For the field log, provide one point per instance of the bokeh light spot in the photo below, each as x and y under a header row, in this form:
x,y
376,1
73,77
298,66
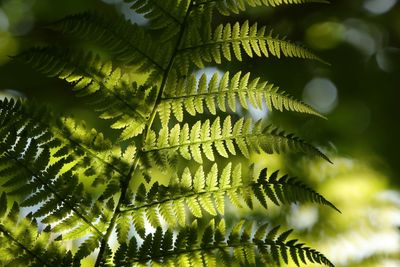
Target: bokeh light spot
x,y
321,94
4,23
20,16
303,217
326,35
388,58
378,7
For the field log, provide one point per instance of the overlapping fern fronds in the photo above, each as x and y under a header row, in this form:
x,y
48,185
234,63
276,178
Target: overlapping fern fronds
x,y
83,187
168,16
127,42
49,171
107,88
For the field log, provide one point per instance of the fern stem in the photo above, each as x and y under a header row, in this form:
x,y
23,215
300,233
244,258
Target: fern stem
x,y
54,191
167,71
125,182
22,246
166,74
124,188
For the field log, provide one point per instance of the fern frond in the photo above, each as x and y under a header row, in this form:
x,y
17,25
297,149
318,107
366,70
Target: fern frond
x,y
201,191
288,189
226,7
167,15
42,171
238,38
97,155
193,96
82,187
107,88
39,182
128,43
94,155
192,248
203,138
22,244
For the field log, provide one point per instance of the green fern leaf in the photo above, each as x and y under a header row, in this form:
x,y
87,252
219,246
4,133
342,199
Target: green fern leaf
x,y
30,165
152,216
249,39
87,247
127,43
138,222
167,211
207,204
171,200
123,227
167,15
240,242
100,83
229,88
269,140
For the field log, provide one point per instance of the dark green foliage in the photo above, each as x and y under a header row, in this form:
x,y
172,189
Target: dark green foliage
x,y
174,174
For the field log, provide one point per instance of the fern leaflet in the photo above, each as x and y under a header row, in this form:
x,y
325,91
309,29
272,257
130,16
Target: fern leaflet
x,y
237,38
201,138
193,96
193,249
200,191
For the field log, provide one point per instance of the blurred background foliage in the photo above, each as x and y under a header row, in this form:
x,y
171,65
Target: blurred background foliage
x,y
358,93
